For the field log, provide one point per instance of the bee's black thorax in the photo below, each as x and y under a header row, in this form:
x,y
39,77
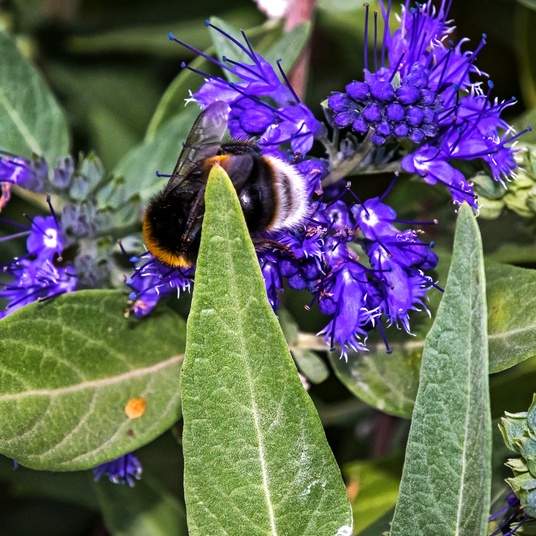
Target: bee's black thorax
x,y
266,188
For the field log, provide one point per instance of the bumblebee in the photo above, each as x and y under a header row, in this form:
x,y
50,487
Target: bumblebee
x,y
272,193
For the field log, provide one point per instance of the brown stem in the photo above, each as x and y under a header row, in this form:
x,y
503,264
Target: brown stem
x,y
383,434
300,11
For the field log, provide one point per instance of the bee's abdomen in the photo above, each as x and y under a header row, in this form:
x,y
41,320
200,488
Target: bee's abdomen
x,y
290,194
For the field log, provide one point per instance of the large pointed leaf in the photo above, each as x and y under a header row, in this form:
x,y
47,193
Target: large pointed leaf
x,y
256,460
69,368
445,487
511,293
30,119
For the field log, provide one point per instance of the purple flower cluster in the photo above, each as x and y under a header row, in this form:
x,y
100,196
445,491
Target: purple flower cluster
x,y
428,91
40,274
376,106
262,104
16,171
358,266
152,280
510,518
124,470
362,270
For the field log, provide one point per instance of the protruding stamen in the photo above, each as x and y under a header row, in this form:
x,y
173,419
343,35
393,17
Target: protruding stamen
x,y
365,37
287,81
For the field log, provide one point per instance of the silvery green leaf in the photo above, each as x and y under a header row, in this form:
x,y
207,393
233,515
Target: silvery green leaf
x,y
446,479
256,460
30,119
68,370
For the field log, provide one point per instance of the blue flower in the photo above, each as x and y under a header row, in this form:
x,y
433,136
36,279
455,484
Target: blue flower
x,y
152,280
343,296
510,518
34,280
124,470
40,275
17,171
362,270
427,91
356,298
262,102
270,266
46,238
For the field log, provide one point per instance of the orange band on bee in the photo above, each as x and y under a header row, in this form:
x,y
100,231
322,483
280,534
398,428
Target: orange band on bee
x,y
220,159
163,255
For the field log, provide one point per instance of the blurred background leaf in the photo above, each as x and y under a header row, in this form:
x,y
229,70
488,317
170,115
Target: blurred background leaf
x,y
372,488
31,121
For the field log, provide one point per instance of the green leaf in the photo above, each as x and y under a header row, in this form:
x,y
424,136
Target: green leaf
x,y
511,293
531,4
525,40
385,381
289,46
139,166
373,489
99,101
310,365
145,509
256,460
446,480
68,369
72,487
30,119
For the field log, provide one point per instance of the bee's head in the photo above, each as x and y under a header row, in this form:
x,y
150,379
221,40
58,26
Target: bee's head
x,y
164,226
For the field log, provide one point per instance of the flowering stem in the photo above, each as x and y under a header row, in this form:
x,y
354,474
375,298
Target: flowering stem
x,y
300,11
344,167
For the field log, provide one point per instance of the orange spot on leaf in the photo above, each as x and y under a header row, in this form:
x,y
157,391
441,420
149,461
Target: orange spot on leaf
x,y
135,407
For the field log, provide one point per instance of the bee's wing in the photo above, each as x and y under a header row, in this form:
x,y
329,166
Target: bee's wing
x,y
203,141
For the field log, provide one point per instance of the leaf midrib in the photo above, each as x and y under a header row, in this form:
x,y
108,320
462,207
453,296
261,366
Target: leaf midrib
x,y
254,408
461,495
514,331
94,384
32,143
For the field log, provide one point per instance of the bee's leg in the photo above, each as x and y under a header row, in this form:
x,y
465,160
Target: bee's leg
x,y
263,244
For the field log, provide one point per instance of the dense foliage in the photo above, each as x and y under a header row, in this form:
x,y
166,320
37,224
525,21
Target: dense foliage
x,y
347,373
